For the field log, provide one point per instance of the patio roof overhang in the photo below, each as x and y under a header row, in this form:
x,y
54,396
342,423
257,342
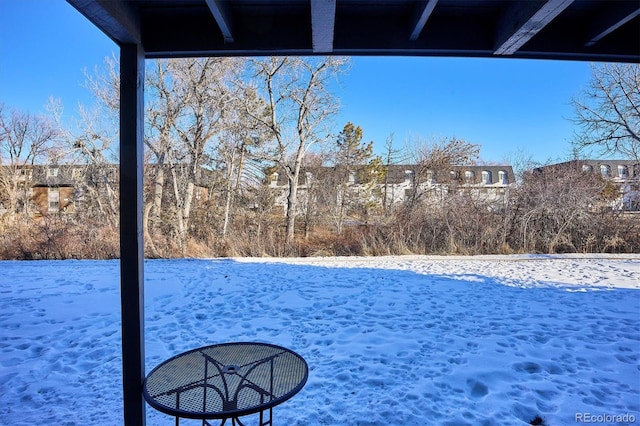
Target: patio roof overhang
x,y
591,30
584,30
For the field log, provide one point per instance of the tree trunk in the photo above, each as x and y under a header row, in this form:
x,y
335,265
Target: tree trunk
x,y
292,201
227,204
147,236
157,192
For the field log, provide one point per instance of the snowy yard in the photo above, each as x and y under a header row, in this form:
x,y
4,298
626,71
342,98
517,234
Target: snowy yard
x,y
407,340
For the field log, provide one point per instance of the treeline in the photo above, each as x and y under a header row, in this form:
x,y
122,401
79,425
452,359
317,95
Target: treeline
x,y
547,213
217,129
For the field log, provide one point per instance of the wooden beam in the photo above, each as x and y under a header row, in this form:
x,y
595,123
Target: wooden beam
x,y
423,16
612,24
222,19
523,21
323,19
131,236
116,18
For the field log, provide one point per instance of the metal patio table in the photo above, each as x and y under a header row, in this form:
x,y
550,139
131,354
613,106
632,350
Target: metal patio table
x,y
226,381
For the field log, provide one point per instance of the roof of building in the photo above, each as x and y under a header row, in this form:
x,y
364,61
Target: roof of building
x,y
613,168
399,173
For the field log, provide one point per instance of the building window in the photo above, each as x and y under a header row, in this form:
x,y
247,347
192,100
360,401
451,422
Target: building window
x,y
623,172
453,175
605,170
25,174
587,168
502,175
408,176
469,176
54,200
52,171
274,179
486,177
352,177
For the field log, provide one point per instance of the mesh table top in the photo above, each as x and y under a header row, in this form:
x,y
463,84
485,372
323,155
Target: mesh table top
x,y
225,380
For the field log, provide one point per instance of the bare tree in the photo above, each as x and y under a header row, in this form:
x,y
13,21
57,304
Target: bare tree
x,y
609,111
188,101
238,147
91,140
434,161
203,82
314,201
25,140
93,144
392,156
558,208
162,111
521,162
297,96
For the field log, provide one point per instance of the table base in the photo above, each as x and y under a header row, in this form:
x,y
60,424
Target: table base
x,y
235,421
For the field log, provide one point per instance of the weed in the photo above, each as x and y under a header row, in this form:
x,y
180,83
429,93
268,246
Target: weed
x,y
537,421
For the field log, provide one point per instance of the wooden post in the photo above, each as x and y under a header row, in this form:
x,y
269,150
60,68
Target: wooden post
x,y
131,236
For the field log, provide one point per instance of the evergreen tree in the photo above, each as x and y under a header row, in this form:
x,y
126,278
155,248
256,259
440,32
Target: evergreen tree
x,y
358,172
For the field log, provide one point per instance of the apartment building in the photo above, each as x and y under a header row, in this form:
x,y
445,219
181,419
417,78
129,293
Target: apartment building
x,y
624,174
400,183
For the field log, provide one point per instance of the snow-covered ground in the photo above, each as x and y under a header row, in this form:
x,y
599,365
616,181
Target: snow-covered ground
x,y
408,340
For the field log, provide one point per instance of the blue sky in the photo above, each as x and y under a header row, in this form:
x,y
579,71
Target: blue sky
x,y
506,106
